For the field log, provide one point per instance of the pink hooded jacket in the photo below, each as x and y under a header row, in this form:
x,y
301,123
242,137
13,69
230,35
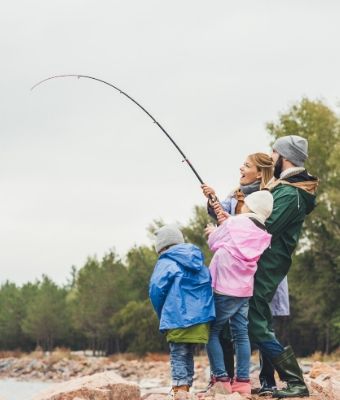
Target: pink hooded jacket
x,y
238,244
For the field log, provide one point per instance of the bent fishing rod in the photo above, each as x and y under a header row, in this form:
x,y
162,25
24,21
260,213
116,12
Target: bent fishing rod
x,y
139,105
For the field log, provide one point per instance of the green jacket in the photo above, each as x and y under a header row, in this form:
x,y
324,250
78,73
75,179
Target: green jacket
x,y
291,205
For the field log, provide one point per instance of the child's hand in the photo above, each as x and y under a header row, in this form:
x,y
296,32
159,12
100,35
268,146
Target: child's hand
x,y
222,216
210,228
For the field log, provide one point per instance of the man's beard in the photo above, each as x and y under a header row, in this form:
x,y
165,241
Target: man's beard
x,y
278,167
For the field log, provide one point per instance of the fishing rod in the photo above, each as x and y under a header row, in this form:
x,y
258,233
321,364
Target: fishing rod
x,y
139,105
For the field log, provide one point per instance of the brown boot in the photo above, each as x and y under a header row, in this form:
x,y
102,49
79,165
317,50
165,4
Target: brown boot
x,y
176,390
183,388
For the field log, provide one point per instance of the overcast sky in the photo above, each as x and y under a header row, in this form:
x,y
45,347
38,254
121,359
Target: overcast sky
x,y
83,170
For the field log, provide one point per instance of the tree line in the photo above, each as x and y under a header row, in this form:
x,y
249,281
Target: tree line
x,y
104,305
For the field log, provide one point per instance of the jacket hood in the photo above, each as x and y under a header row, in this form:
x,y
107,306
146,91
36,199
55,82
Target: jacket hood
x,y
187,255
307,184
241,238
303,176
310,200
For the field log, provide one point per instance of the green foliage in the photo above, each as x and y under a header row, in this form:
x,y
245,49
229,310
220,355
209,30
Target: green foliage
x,y
12,311
137,325
46,317
100,290
194,231
141,261
317,123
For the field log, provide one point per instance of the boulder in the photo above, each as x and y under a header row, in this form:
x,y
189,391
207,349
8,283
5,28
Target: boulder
x,y
101,386
325,380
320,368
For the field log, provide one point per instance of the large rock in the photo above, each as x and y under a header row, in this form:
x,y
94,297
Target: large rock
x,y
325,380
101,386
320,368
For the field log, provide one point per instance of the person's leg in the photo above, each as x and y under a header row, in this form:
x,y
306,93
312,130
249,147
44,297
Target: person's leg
x,y
228,351
283,359
190,363
266,371
179,369
223,307
239,331
270,348
289,371
267,379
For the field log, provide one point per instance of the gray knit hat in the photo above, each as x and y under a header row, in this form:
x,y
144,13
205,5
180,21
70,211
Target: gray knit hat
x,y
166,236
294,148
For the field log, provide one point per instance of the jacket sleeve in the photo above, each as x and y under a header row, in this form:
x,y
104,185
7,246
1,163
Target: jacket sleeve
x,y
160,283
226,205
285,210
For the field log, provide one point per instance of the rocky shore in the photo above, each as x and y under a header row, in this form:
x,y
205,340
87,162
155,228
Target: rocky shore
x,y
60,366
146,378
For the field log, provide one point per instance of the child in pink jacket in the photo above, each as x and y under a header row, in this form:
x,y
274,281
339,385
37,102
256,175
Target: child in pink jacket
x,y
237,244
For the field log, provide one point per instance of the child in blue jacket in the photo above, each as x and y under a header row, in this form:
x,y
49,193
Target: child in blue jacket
x,y
181,294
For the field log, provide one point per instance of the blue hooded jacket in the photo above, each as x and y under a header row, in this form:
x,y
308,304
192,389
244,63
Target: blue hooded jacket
x,y
180,288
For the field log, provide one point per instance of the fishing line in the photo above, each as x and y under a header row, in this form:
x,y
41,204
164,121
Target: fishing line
x,y
185,159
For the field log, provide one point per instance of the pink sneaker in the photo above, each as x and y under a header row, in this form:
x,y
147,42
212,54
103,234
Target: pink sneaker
x,y
222,386
242,387
216,386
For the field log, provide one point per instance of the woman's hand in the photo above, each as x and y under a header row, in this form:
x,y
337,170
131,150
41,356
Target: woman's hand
x,y
217,207
222,216
208,191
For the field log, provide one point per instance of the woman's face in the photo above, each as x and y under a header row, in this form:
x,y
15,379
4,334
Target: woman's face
x,y
249,172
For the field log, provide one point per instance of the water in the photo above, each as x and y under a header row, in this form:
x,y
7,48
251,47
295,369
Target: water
x,y
11,389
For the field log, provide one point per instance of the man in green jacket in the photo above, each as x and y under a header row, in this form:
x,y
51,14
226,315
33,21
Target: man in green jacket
x,y
294,197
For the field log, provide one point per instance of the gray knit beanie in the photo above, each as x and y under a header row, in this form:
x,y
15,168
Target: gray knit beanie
x,y
293,148
166,236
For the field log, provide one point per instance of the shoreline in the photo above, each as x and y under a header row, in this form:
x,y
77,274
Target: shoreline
x,y
151,373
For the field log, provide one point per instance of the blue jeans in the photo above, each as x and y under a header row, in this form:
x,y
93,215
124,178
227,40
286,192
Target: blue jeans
x,y
234,310
270,348
182,363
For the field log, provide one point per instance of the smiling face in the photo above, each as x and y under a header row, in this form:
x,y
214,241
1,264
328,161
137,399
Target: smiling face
x,y
249,172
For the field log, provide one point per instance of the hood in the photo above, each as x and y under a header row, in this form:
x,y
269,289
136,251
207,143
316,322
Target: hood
x,y
308,185
241,238
310,200
303,176
187,255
